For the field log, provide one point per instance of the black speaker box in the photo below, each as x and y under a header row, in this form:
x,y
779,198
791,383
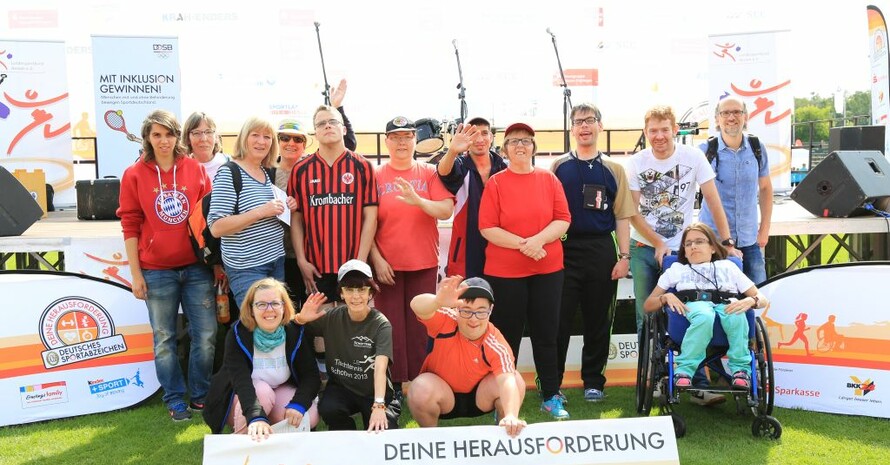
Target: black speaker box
x,y
843,182
98,199
18,210
856,138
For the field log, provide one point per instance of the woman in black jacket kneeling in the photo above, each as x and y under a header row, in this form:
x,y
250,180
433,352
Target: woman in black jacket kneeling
x,y
269,373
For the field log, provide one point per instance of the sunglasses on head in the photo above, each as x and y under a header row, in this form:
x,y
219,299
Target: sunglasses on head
x,y
286,138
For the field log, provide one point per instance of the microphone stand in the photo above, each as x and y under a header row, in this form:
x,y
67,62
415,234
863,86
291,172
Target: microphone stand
x,y
460,86
567,96
327,87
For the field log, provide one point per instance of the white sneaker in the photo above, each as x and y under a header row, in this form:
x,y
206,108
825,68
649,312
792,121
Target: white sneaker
x,y
706,398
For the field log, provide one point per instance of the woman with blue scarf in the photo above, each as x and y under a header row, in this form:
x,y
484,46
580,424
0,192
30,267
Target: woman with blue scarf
x,y
269,372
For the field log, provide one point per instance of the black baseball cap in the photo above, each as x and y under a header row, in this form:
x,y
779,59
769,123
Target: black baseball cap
x,y
400,124
476,288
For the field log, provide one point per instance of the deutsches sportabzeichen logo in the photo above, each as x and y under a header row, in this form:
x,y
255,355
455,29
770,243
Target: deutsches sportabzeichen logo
x,y
74,329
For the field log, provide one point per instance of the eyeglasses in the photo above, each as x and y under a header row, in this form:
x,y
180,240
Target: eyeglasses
x,y
400,139
286,138
698,242
480,315
275,304
728,113
527,141
323,123
199,134
591,120
355,290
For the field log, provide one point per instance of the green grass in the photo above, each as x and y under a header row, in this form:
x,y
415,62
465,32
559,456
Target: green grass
x,y
145,435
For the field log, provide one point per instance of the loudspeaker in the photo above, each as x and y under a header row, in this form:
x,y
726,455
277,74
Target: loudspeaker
x,y
843,182
18,210
856,138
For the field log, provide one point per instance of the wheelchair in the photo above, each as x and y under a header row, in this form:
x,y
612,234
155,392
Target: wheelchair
x,y
659,343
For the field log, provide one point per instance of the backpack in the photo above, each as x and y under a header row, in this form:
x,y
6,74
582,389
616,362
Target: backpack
x,y
711,154
712,151
207,247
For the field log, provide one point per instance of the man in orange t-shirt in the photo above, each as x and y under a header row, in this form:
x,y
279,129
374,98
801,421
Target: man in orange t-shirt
x,y
470,370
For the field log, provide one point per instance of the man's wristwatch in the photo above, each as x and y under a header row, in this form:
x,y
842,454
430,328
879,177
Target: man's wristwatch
x,y
728,243
624,256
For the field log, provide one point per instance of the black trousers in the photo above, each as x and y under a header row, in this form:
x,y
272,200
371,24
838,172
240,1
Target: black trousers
x,y
338,404
533,299
588,285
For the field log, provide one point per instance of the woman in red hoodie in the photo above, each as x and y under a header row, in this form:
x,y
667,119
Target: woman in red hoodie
x,y
157,194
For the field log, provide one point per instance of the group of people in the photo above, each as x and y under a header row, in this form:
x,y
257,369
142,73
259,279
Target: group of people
x,y
352,280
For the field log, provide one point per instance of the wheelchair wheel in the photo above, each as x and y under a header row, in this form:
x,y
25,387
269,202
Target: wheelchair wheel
x,y
766,427
646,376
765,370
679,425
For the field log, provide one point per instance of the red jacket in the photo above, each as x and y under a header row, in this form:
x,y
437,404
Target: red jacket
x,y
156,210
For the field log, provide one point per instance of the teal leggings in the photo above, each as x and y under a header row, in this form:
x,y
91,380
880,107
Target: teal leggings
x,y
701,328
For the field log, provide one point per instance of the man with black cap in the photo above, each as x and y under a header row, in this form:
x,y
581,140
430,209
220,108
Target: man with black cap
x,y
470,370
465,175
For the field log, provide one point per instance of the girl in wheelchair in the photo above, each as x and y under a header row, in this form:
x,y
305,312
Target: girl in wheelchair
x,y
707,284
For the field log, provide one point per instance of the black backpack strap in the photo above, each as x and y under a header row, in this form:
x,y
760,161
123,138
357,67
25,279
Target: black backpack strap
x,y
711,153
237,182
271,172
757,149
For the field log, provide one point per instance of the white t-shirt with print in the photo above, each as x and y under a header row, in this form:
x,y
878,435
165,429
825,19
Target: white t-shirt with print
x,y
726,274
667,190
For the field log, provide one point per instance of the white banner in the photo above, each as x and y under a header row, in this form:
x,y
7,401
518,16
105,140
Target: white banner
x,y
751,67
103,258
880,71
831,348
584,442
34,119
73,345
132,77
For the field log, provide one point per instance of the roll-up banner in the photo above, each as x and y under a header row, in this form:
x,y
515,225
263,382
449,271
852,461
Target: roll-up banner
x,y
829,329
35,123
71,345
880,71
753,68
132,76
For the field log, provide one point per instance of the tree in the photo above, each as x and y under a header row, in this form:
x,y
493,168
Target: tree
x,y
806,114
859,104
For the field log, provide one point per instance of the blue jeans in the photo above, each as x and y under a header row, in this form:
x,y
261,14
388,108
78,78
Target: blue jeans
x,y
645,270
240,280
753,264
191,287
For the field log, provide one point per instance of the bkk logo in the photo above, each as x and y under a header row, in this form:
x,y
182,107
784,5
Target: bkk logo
x,y
861,388
75,329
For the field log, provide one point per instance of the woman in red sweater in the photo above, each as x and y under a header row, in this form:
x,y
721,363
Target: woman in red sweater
x,y
522,215
157,195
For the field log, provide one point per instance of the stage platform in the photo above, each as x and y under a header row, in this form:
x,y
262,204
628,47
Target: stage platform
x,y
61,231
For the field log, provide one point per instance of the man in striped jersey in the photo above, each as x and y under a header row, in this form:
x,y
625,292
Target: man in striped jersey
x,y
336,215
470,370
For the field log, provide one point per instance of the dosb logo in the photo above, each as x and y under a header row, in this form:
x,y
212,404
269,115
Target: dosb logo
x,y
74,329
859,387
162,50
